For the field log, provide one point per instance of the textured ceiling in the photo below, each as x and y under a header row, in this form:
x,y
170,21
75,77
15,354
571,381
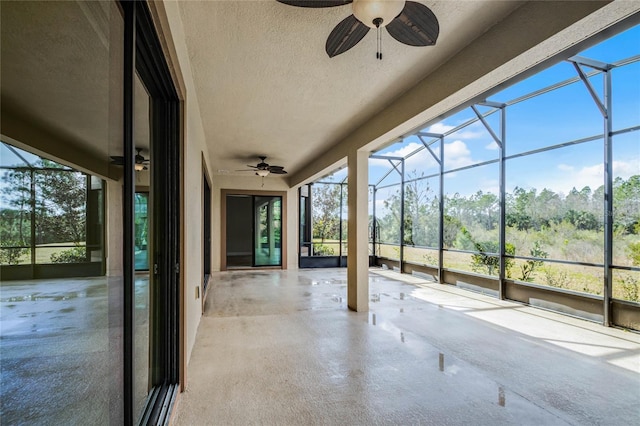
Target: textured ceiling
x,y
265,85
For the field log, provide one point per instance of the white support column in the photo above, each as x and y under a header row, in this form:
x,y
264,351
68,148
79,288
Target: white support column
x,y
358,241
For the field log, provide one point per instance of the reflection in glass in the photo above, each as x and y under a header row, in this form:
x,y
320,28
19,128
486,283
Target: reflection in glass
x,y
61,314
142,380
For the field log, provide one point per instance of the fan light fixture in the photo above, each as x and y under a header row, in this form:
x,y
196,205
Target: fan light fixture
x,y
377,13
409,22
138,167
263,173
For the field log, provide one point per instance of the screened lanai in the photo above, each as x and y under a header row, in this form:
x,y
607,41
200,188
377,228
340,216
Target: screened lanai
x,y
52,218
530,194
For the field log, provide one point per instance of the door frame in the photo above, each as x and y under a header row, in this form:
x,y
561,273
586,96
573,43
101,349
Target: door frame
x,y
144,56
223,224
206,179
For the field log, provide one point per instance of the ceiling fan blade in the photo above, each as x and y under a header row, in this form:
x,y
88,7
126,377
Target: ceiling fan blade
x,y
416,25
315,3
277,172
345,35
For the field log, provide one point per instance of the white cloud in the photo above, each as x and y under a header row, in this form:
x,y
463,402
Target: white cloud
x,y
457,154
492,146
473,131
569,177
565,167
401,152
439,128
626,169
420,161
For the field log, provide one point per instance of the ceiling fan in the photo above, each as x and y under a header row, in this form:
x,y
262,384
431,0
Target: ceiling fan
x,y
141,163
408,22
263,169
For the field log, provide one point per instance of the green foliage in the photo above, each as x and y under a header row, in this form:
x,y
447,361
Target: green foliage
x,y
56,196
486,262
528,267
326,211
558,279
634,253
630,288
583,220
322,250
429,259
73,255
451,229
626,199
11,255
464,240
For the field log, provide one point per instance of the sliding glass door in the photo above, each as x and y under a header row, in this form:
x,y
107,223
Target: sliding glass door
x,y
61,228
253,231
267,247
85,94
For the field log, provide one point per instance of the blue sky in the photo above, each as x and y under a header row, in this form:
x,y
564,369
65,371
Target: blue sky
x,y
563,115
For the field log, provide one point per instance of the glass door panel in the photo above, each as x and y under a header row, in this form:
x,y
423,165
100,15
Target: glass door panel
x,y
267,231
141,231
61,290
143,282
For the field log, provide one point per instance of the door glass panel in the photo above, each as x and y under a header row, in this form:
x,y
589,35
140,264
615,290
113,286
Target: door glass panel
x,y
61,289
141,231
267,231
143,242
239,220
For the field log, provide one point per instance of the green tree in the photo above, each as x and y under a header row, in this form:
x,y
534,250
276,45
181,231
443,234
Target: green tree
x,y
626,204
61,205
16,195
325,201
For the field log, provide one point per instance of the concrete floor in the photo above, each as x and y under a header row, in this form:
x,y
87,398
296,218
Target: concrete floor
x,y
281,348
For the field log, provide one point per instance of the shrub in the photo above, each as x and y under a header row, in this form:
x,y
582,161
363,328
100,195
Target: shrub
x,y
630,290
558,279
489,263
73,255
11,255
528,267
321,250
634,253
